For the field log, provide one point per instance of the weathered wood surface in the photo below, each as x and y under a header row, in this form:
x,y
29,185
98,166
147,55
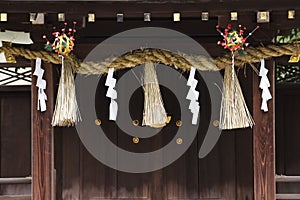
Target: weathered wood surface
x,y
42,141
15,140
285,179
287,138
264,140
288,196
15,197
16,180
223,174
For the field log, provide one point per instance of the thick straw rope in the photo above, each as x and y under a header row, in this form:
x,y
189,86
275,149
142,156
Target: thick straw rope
x,y
141,56
183,61
44,55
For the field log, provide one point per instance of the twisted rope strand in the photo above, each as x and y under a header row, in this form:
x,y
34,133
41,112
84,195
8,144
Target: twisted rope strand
x,y
142,56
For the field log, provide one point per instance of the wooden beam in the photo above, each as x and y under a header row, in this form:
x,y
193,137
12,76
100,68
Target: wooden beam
x,y
264,140
286,179
42,140
287,196
128,7
15,197
16,180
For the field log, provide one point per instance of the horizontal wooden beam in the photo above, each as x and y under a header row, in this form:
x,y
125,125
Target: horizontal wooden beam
x,y
286,179
16,180
287,196
15,197
15,88
100,8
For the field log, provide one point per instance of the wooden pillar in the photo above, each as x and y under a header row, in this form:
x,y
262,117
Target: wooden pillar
x,y
42,140
264,140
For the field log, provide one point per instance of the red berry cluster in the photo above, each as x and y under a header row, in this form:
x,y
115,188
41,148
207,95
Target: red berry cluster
x,y
234,39
63,42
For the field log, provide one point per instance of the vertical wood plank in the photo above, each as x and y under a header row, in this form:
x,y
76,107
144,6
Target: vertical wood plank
x,y
181,177
42,140
71,164
243,144
264,140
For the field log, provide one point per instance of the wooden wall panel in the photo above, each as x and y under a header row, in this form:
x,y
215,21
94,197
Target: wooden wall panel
x,y
15,139
287,135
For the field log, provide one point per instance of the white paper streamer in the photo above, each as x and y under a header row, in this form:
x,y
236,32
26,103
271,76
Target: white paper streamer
x,y
2,58
17,37
41,85
264,85
112,93
193,95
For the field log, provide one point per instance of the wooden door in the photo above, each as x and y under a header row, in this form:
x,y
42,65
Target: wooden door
x,y
226,173
287,135
15,137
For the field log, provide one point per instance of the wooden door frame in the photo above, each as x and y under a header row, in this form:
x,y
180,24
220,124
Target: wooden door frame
x,y
43,180
264,139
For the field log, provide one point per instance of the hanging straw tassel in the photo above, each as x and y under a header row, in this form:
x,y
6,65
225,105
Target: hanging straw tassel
x,y
66,111
154,111
234,112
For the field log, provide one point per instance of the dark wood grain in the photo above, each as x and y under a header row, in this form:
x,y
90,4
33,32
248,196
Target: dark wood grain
x,y
264,140
287,138
15,197
15,154
70,164
209,170
42,141
243,144
111,8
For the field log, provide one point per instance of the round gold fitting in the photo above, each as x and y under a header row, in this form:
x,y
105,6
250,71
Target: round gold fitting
x,y
216,123
178,123
135,122
98,122
135,140
179,141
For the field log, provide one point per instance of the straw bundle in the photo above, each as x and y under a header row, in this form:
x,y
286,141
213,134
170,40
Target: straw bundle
x,y
154,111
66,111
234,112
